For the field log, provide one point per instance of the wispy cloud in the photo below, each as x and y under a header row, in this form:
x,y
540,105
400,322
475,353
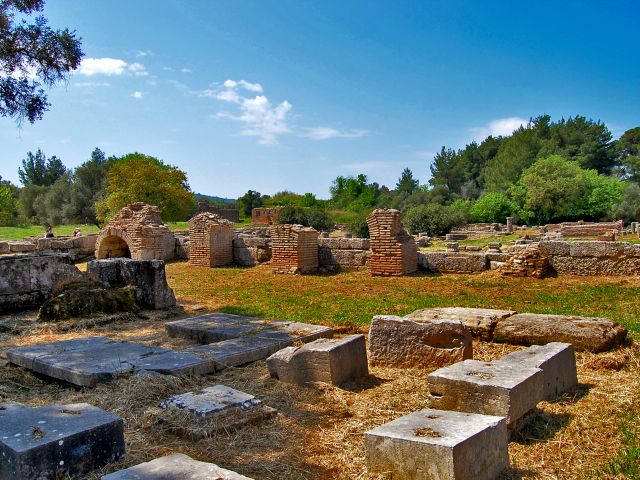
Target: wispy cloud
x,y
91,84
110,67
327,133
259,116
137,95
142,53
500,126
186,70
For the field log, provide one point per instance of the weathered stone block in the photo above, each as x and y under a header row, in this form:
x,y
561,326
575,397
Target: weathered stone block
x,y
91,360
557,362
4,248
333,361
237,351
500,389
555,247
584,333
402,342
57,441
595,249
175,467
22,247
481,321
435,444
147,277
452,262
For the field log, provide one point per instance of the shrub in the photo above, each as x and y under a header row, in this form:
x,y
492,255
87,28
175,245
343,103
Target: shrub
x,y
492,207
434,219
309,217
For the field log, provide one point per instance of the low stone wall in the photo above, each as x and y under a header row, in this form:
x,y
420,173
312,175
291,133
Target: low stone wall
x,y
78,247
343,254
25,280
248,250
452,262
592,258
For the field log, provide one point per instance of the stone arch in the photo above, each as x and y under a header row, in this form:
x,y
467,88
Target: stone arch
x,y
113,243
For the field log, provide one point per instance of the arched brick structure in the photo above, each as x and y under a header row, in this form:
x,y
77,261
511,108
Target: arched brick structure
x,y
210,240
136,232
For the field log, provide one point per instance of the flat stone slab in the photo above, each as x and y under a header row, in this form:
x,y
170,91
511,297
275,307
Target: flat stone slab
x,y
326,360
481,321
201,414
57,441
584,333
92,360
175,467
557,362
436,444
500,389
404,342
237,351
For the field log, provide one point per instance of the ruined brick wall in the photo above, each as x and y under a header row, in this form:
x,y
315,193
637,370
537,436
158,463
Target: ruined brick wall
x,y
210,240
265,216
592,258
231,214
136,232
294,249
529,261
343,254
393,250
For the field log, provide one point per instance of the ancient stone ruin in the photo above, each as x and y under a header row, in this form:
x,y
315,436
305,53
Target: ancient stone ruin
x,y
295,249
393,250
210,240
136,232
265,216
231,214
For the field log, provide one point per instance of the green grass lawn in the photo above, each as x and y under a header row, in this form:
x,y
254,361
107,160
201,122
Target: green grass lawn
x,y
18,233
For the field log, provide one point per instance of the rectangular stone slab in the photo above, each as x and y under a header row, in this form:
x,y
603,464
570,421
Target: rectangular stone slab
x,y
499,389
54,441
437,444
175,467
481,321
584,333
557,362
92,360
237,351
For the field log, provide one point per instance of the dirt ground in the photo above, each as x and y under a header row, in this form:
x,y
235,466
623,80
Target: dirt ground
x,y
318,432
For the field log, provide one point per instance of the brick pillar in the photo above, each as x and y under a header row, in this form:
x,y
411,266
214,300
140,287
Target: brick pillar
x,y
210,240
294,249
393,250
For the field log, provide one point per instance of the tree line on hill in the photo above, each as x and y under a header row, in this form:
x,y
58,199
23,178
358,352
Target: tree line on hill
x,y
544,172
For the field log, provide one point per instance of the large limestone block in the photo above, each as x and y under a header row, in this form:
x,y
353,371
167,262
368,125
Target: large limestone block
x,y
439,445
557,362
333,361
453,262
402,342
175,467
22,247
481,321
57,441
501,389
584,333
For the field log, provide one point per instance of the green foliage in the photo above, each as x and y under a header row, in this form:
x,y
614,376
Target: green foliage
x,y
49,207
309,217
555,188
39,170
140,178
89,187
406,183
287,198
629,208
26,49
492,207
8,205
27,201
628,150
249,201
354,194
434,219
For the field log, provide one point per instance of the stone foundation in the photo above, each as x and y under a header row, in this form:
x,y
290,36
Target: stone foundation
x,y
592,258
210,241
344,254
393,250
295,249
452,262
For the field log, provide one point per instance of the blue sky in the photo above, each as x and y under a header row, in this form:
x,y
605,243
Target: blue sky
x,y
274,95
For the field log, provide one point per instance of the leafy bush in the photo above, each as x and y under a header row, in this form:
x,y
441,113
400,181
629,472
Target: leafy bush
x,y
492,207
309,217
434,219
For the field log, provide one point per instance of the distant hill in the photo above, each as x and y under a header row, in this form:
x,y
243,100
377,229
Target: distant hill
x,y
202,196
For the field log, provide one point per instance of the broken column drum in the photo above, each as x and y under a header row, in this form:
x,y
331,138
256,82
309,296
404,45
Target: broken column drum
x,y
210,240
393,250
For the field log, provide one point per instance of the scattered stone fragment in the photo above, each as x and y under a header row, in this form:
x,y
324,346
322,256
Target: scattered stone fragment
x,y
333,361
403,342
481,321
57,441
501,389
175,467
557,362
216,408
436,444
584,333
92,360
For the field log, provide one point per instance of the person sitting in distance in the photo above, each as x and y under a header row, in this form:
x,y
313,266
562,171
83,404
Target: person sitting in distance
x,y
77,233
49,233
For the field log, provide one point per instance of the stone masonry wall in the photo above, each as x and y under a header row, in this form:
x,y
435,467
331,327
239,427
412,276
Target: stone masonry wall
x,y
231,214
592,258
589,229
265,216
210,240
295,249
137,232
393,250
343,254
78,247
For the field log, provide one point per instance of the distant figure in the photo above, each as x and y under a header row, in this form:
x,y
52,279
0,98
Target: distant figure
x,y
49,233
77,233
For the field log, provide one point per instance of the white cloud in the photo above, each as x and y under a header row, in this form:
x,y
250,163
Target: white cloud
x,y
186,70
501,126
260,117
138,95
91,84
137,69
327,133
142,53
102,66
